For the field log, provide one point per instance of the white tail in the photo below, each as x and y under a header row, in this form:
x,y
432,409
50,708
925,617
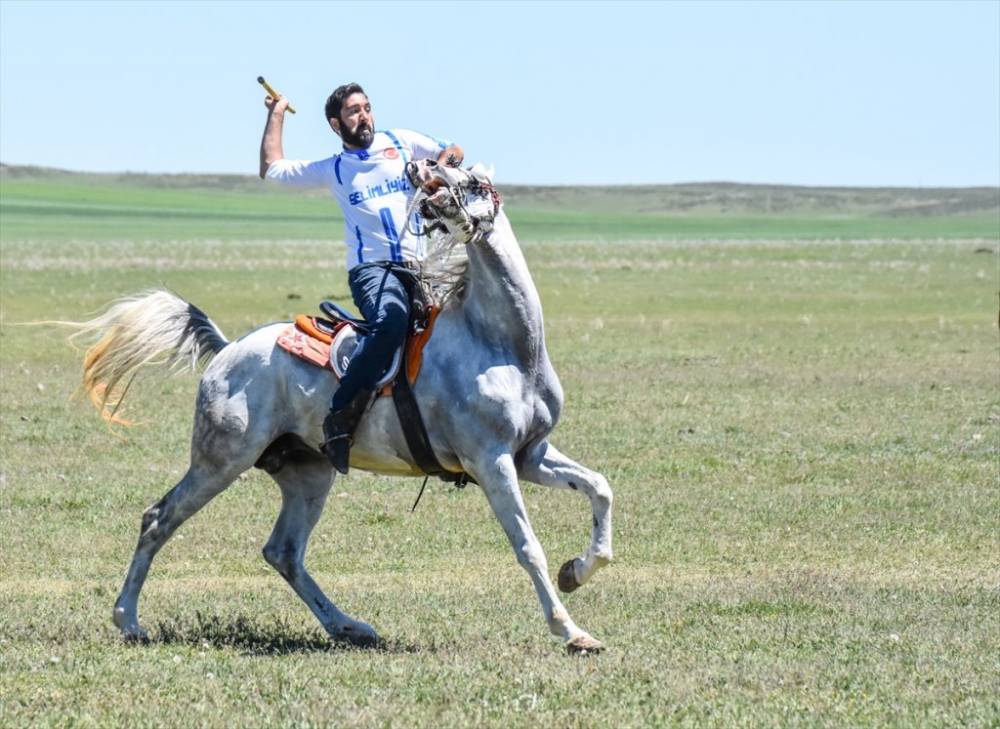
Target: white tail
x,y
150,328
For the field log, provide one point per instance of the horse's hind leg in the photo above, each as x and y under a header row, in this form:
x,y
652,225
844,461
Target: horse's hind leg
x,y
200,484
547,466
498,479
304,487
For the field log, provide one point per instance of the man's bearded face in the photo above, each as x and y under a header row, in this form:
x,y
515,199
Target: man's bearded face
x,y
357,125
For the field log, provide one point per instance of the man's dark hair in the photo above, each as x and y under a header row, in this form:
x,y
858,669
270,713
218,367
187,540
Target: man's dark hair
x,y
336,100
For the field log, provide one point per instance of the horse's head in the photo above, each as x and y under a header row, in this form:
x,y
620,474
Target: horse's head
x,y
462,202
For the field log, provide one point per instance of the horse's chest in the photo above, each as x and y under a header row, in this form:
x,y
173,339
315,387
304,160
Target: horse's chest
x,y
506,395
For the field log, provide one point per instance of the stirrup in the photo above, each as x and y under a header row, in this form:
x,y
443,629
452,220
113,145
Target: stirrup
x,y
337,450
332,439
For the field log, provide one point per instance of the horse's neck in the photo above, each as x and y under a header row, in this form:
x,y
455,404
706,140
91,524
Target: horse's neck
x,y
502,303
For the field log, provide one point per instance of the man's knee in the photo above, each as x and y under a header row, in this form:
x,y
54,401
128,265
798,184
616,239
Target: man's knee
x,y
392,323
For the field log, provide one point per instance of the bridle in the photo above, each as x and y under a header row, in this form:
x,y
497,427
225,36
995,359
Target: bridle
x,y
461,203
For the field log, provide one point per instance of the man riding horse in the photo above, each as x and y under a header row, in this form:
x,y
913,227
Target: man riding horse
x,y
368,178
487,355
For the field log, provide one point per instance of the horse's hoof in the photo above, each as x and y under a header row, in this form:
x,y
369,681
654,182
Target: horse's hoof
x,y
358,635
135,637
132,632
567,577
584,645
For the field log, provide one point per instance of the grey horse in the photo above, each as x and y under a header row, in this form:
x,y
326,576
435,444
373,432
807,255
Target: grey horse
x,y
487,391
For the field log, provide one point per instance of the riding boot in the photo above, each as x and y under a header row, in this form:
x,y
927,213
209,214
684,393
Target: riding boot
x,y
338,430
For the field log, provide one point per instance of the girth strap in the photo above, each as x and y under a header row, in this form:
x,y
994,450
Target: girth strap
x,y
415,432
413,425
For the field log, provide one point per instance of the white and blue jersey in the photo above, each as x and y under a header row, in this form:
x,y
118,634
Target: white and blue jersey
x,y
373,191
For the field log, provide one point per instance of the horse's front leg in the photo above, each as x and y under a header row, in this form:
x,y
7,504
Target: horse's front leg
x,y
546,466
498,478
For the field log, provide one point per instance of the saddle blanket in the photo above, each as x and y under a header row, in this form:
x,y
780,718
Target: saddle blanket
x,y
307,341
330,345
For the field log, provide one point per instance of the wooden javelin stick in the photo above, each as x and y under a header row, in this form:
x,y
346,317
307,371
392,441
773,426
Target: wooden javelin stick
x,y
274,94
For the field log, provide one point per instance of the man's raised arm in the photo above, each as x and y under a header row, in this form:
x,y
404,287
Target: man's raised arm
x,y
270,144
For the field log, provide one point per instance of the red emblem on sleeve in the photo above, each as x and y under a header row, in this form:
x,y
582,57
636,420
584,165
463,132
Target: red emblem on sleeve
x,y
390,153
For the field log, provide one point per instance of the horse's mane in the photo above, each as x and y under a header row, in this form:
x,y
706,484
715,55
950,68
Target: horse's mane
x,y
445,269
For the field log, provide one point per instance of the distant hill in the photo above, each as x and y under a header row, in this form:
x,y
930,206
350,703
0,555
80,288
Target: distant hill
x,y
699,199
736,198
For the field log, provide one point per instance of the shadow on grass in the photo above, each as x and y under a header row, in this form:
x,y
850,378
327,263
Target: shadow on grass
x,y
258,637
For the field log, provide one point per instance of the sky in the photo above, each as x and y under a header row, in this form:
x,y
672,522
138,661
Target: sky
x,y
812,93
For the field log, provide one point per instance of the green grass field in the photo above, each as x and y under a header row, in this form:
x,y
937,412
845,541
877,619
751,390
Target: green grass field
x,y
66,206
799,414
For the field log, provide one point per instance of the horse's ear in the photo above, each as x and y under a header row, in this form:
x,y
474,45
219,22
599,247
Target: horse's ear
x,y
480,171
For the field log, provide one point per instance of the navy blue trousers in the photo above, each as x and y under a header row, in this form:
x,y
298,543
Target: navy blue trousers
x,y
381,295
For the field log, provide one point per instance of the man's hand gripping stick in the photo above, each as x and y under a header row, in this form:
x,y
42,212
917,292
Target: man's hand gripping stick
x,y
271,92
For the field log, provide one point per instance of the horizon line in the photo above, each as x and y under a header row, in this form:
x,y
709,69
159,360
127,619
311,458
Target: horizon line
x,y
689,183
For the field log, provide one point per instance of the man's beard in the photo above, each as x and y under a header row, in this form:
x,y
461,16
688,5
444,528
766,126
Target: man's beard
x,y
362,137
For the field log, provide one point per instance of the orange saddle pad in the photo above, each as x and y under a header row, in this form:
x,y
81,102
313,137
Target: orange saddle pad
x,y
307,341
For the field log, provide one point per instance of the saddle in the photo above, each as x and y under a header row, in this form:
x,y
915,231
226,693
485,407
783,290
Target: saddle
x,y
331,342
